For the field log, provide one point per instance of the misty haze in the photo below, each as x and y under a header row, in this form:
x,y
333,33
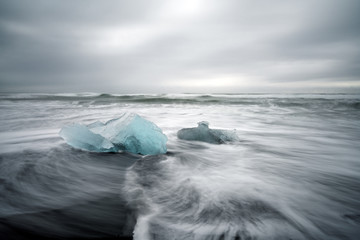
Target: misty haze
x,y
183,120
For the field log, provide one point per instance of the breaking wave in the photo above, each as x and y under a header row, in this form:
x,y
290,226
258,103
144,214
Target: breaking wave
x,y
331,101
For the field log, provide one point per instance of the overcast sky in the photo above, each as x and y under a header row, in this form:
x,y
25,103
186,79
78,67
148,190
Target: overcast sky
x,y
144,46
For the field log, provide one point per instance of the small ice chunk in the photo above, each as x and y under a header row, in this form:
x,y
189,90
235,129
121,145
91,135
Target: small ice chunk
x,y
129,132
205,134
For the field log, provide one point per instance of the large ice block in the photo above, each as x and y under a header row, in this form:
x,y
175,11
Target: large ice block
x,y
205,134
129,132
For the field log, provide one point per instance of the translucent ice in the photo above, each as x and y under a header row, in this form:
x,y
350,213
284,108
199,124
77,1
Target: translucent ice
x,y
130,133
80,136
205,134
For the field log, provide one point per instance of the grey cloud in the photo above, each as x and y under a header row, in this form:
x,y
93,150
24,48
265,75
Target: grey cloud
x,y
48,12
63,46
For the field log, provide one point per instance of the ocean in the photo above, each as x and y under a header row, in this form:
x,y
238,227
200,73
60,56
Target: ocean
x,y
294,173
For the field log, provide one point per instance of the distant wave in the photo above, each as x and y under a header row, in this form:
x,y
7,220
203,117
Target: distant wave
x,y
278,100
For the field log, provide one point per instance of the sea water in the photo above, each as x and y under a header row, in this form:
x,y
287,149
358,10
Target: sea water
x,y
293,174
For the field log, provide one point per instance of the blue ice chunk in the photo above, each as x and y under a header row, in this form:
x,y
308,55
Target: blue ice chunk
x,y
205,134
79,136
132,133
129,132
